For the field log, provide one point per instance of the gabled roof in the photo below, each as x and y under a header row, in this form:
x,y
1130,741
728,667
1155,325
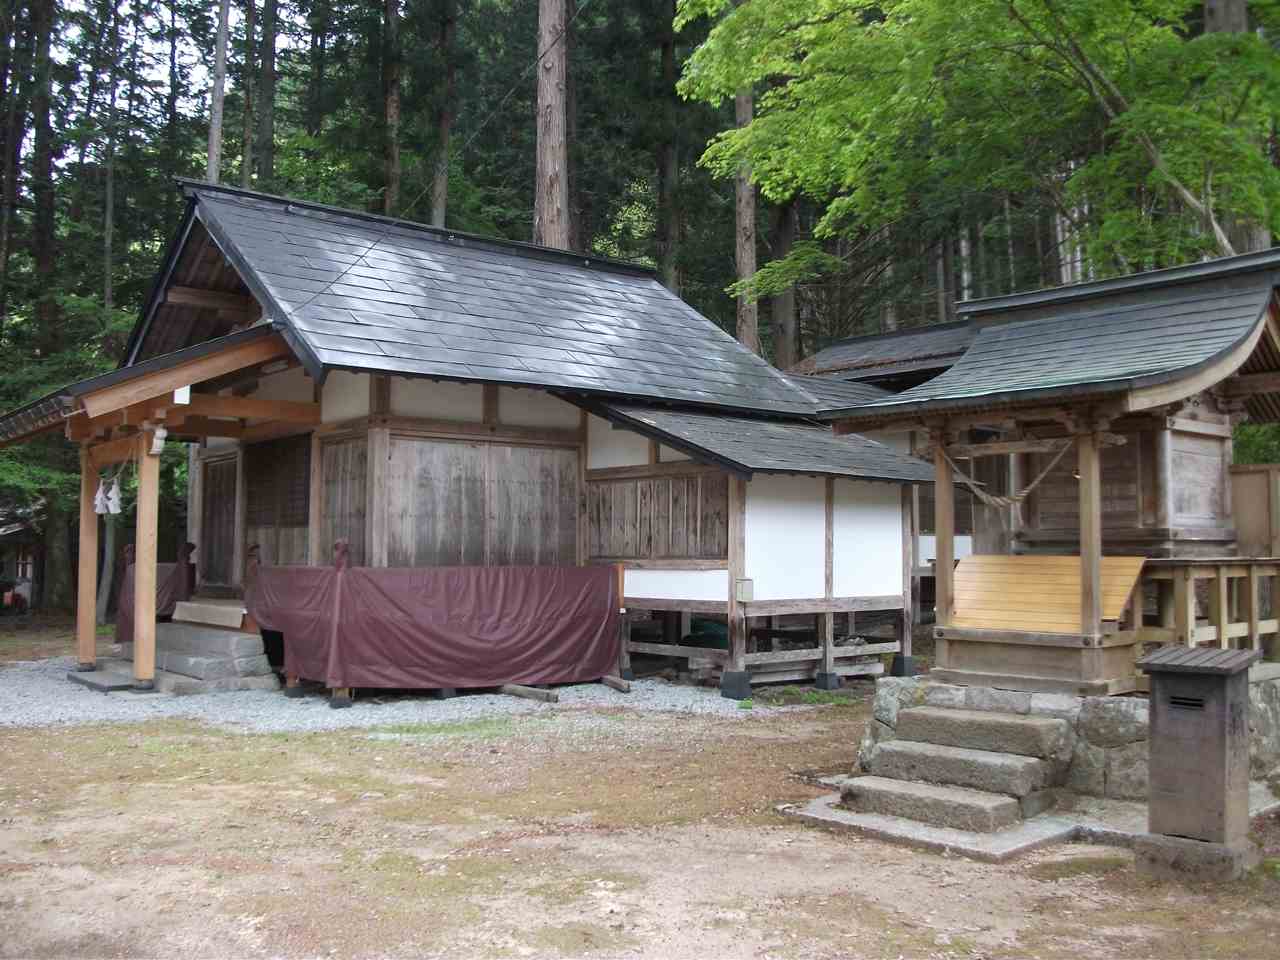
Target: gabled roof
x,y
883,355
1106,339
765,446
357,292
832,392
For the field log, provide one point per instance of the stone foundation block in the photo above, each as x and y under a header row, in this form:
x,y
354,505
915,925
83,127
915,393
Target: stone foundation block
x,y
1180,859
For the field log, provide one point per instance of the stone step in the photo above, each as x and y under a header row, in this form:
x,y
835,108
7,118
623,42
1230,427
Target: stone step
x,y
958,807
218,613
116,676
1046,737
204,641
1008,773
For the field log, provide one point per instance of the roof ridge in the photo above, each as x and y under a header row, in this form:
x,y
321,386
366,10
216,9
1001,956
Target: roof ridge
x,y
192,187
1132,282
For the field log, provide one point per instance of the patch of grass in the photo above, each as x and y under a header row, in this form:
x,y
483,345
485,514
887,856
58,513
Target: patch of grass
x,y
791,696
1094,866
568,890
747,704
578,938
483,728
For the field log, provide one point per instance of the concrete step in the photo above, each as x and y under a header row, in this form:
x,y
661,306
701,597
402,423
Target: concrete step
x,y
218,613
212,668
958,807
204,641
1048,738
116,676
1008,773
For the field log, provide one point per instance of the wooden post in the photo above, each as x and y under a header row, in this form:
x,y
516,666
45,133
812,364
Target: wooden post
x,y
1220,594
909,541
1164,480
944,522
1184,606
144,565
1273,509
87,587
315,504
376,497
826,678
735,682
1165,599
1090,535
241,518
1251,605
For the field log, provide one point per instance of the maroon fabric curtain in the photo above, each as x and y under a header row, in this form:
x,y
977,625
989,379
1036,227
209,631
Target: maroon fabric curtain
x,y
174,582
441,626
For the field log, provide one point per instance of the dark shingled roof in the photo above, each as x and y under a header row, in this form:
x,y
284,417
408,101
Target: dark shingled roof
x,y
418,301
1094,339
833,392
765,446
889,354
1178,659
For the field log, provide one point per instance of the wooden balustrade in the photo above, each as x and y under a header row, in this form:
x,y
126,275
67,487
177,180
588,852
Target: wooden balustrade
x,y
1237,588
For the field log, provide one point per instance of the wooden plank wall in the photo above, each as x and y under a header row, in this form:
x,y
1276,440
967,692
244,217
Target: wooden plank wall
x,y
453,502
217,521
641,518
277,498
344,480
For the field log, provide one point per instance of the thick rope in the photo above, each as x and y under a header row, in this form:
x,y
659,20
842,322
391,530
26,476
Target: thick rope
x,y
993,500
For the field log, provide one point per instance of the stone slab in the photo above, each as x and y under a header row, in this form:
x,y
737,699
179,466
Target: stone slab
x,y
1007,773
206,641
1180,859
1045,737
992,847
221,613
943,806
102,680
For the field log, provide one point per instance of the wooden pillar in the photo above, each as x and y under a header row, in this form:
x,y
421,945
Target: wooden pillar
x,y
1220,596
735,682
909,541
376,497
315,504
87,585
239,548
826,678
144,569
1090,535
944,513
1251,601
1164,481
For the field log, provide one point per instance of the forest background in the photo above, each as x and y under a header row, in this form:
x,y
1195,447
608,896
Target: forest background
x,y
798,170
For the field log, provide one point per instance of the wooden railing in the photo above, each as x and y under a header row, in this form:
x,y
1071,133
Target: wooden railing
x,y
1239,591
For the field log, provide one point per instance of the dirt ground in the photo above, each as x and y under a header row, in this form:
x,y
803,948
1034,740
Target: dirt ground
x,y
579,833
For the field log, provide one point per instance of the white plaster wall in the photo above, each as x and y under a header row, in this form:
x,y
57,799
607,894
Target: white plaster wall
x,y
867,539
667,455
963,546
786,537
677,584
345,396
535,408
293,385
437,400
607,447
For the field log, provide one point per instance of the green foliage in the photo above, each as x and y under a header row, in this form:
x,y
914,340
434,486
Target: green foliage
x,y
1257,443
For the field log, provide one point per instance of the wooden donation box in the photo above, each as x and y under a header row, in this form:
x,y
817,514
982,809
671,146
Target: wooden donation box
x,y
1199,743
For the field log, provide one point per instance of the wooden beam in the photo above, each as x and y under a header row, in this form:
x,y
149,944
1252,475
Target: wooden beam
x,y
1250,384
1002,447
681,468
144,569
250,408
113,451
179,296
1090,535
87,585
161,382
453,429
379,395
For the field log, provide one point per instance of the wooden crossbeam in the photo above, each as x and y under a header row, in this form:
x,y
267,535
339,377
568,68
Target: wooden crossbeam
x,y
209,299
161,382
113,451
999,447
1249,384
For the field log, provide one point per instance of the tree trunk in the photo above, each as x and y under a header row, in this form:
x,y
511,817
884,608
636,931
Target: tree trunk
x,y
246,148
171,104
106,580
668,226
745,234
109,181
214,164
318,59
11,138
444,117
551,185
784,303
43,240
579,232
56,590
1232,16
80,190
267,97
391,106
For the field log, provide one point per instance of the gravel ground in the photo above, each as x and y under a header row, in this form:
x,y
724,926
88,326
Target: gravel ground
x,y
37,693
